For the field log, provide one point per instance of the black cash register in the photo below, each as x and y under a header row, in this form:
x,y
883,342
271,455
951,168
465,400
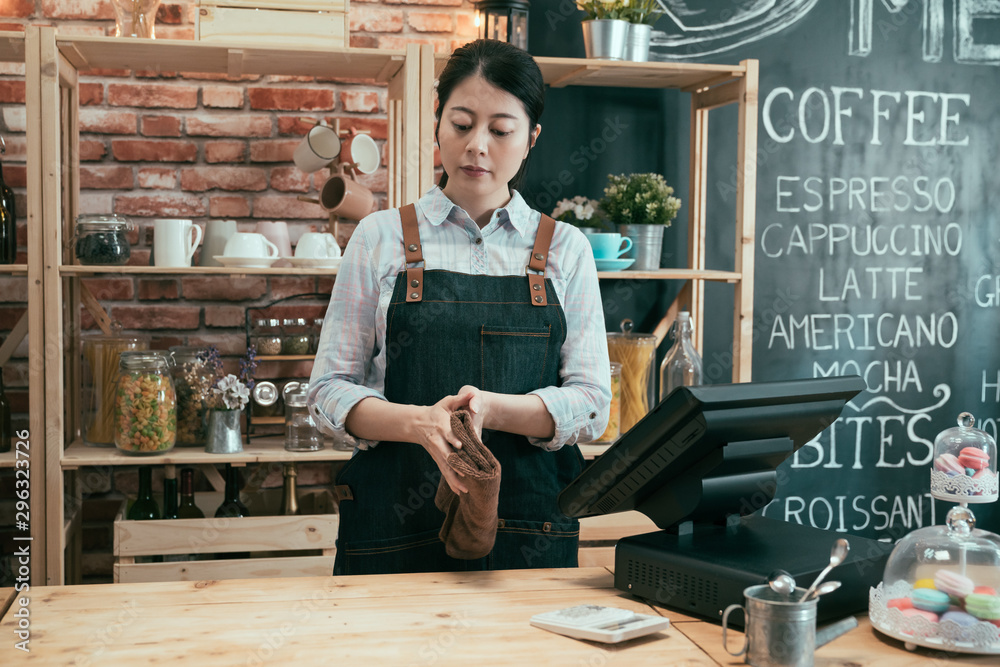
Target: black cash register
x,y
702,465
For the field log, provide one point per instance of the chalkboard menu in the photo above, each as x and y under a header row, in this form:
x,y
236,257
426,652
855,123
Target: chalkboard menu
x,y
878,224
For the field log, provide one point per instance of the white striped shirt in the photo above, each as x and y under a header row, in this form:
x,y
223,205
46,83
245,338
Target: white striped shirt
x,y
351,357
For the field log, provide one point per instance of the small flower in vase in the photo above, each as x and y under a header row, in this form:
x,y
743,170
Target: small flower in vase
x,y
579,212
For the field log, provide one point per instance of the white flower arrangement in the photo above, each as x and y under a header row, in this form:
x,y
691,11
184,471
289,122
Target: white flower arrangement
x,y
230,393
578,211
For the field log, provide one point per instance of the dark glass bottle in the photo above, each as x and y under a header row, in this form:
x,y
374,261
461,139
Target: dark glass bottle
x,y
8,222
170,493
232,506
6,432
187,508
144,506
289,495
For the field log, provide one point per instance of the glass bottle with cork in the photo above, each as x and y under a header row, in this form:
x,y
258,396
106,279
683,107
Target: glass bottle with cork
x,y
682,367
6,431
8,217
289,493
187,508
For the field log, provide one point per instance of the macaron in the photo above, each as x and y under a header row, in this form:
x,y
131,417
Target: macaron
x,y
924,583
960,618
923,613
985,590
953,584
986,607
949,464
900,603
929,599
971,457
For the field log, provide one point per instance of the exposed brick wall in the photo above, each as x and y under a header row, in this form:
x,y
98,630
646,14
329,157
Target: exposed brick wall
x,y
196,146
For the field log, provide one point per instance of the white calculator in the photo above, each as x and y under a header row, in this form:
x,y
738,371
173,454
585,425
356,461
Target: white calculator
x,y
599,624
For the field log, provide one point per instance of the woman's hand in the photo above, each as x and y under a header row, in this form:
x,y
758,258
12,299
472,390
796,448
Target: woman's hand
x,y
478,403
431,428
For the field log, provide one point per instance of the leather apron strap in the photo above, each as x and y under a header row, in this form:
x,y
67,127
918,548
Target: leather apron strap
x,y
414,253
539,257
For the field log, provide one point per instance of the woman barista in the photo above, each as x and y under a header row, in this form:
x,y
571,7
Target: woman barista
x,y
479,327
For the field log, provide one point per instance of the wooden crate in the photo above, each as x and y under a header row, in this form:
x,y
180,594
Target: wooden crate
x,y
280,546
598,535
305,23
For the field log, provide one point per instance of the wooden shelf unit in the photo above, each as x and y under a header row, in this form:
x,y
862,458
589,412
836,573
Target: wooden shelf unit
x,y
53,87
58,64
22,48
710,86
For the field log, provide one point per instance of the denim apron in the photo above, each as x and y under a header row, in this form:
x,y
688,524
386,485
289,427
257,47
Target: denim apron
x,y
445,330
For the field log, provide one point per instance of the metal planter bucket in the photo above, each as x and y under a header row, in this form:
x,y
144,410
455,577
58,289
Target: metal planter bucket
x,y
637,45
223,432
605,38
647,245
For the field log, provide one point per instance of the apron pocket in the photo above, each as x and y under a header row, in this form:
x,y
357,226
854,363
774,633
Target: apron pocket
x,y
522,544
420,552
514,359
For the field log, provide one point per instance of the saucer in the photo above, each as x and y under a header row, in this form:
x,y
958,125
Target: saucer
x,y
246,262
613,264
315,262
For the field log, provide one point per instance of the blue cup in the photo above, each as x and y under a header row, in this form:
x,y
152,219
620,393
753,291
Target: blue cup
x,y
609,245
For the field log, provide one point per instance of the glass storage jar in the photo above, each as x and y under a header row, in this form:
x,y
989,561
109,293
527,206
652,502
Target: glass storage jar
x,y
965,464
637,355
296,336
101,356
301,433
613,430
193,381
266,400
266,336
317,330
102,239
145,404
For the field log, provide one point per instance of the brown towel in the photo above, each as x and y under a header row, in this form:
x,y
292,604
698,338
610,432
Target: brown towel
x,y
470,522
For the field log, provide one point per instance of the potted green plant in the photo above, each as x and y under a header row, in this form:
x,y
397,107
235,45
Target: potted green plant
x,y
580,212
642,205
605,30
641,15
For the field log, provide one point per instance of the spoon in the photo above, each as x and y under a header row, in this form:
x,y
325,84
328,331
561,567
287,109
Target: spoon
x,y
824,588
837,556
781,583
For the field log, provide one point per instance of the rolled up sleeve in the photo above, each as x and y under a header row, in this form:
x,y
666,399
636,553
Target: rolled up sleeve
x,y
347,345
580,407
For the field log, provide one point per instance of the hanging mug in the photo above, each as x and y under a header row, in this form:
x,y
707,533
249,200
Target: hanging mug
x,y
343,196
318,148
360,152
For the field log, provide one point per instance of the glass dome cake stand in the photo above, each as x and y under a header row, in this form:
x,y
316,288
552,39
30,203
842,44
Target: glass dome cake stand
x,y
941,583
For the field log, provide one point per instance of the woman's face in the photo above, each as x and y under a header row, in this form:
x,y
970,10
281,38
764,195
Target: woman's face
x,y
483,138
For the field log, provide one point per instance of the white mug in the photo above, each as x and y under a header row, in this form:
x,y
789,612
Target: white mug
x,y
318,148
217,233
276,233
360,152
249,244
317,245
174,241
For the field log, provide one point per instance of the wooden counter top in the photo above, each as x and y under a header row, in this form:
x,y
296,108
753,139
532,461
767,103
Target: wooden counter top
x,y
466,619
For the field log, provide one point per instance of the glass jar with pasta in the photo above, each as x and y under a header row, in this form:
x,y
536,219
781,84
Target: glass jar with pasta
x,y
145,404
193,381
99,372
637,355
